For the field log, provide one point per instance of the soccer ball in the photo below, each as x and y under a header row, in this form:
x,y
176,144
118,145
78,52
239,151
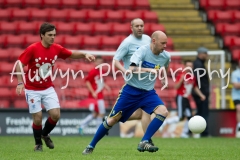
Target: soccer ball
x,y
197,124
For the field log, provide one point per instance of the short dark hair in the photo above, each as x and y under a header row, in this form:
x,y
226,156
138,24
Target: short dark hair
x,y
187,60
46,27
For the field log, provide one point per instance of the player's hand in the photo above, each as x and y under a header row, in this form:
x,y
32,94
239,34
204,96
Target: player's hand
x,y
89,57
19,89
94,95
202,97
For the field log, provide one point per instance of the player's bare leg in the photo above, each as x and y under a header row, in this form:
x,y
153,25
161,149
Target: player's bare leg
x,y
238,121
37,130
103,128
54,115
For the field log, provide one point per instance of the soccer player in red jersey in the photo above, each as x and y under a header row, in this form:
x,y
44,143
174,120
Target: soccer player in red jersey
x,y
40,58
95,86
185,82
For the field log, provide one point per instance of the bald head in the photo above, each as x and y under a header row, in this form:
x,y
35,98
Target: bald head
x,y
137,27
159,35
137,20
159,42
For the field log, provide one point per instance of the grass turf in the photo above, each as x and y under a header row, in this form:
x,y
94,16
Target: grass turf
x,y
115,148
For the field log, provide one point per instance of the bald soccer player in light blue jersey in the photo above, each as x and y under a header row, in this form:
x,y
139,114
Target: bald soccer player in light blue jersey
x,y
139,93
124,53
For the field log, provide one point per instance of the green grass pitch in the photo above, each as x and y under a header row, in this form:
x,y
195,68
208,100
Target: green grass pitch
x,y
115,148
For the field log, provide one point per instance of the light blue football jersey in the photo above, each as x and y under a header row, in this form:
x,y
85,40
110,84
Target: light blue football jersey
x,y
128,46
235,78
147,59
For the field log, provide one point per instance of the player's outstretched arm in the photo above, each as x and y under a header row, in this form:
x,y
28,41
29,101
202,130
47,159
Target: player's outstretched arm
x,y
20,85
78,55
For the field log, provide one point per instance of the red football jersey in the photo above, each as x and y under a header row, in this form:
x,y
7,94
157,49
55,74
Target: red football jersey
x,y
186,87
39,61
98,85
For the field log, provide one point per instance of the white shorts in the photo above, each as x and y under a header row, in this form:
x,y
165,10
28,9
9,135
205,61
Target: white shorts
x,y
100,108
47,97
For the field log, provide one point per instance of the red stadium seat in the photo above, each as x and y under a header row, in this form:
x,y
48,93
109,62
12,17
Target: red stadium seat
x,y
220,16
19,14
65,28
232,41
5,54
228,29
4,104
105,4
108,42
83,28
58,15
51,4
20,104
114,16
15,53
121,29
24,27
2,40
5,14
91,42
8,27
236,54
236,16
72,42
212,4
77,15
154,26
70,104
70,4
59,39
124,4
39,14
232,4
129,15
88,4
14,41
6,67
95,15
143,4
5,93
32,3
11,3
30,39
150,17
102,28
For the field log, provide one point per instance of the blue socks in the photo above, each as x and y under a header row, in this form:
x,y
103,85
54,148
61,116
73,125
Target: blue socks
x,y
153,127
102,130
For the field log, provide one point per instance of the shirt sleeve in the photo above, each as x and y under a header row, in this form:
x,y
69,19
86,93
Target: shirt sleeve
x,y
26,56
234,78
137,56
121,51
90,76
64,53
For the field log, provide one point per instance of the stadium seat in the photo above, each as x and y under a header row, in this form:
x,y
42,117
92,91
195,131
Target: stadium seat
x,y
129,15
8,27
77,15
59,39
105,4
30,39
58,15
6,67
154,26
114,16
14,53
91,4
32,3
72,42
124,4
95,15
121,29
51,4
4,104
225,29
11,3
5,93
231,4
232,41
5,54
102,28
19,14
24,27
37,14
236,54
143,4
108,42
83,28
64,28
91,42
150,17
220,16
20,104
13,41
5,14
236,16
69,104
70,4
212,4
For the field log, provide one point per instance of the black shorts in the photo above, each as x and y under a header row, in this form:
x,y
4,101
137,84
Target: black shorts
x,y
184,108
236,102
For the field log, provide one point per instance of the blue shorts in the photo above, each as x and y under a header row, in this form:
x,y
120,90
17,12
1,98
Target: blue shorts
x,y
131,98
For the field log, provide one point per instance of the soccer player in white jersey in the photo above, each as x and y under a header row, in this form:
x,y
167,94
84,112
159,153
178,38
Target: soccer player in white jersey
x,y
40,58
139,93
124,52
